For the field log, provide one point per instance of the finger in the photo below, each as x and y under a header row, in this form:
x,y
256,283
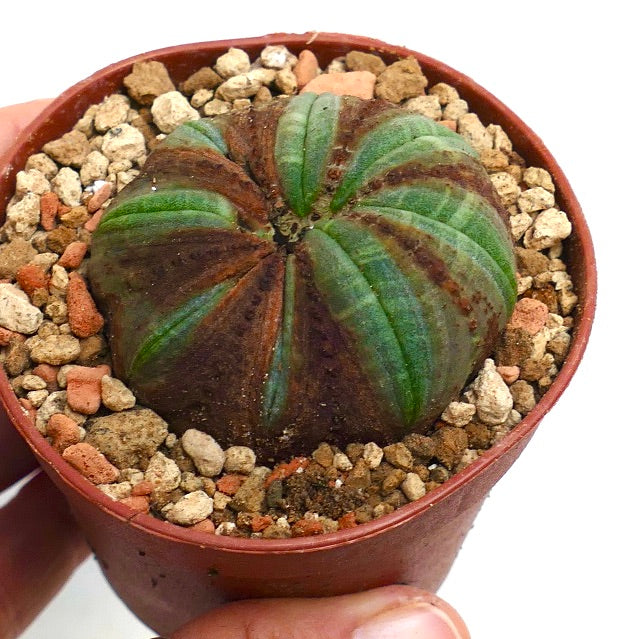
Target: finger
x,y
383,613
41,546
16,460
14,118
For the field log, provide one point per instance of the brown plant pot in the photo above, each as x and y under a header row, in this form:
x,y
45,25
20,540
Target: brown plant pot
x,y
168,575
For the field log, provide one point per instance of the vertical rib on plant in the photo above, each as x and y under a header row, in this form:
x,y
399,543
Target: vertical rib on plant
x,y
325,268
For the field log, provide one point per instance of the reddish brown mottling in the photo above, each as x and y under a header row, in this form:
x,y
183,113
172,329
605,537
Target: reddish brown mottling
x,y
286,470
84,318
48,210
138,503
84,389
230,484
91,463
64,432
99,197
6,336
73,255
307,528
30,277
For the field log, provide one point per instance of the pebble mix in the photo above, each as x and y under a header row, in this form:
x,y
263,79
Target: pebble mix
x,y
57,359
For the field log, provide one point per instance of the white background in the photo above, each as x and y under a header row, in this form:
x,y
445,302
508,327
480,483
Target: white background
x,y
554,550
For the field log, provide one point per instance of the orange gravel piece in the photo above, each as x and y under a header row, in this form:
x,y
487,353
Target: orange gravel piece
x,y
347,521
510,374
49,374
99,197
230,484
138,503
64,432
29,409
142,488
84,318
361,84
306,528
449,124
6,336
306,69
206,526
31,277
91,463
73,255
48,210
286,470
92,223
530,315
84,390
261,522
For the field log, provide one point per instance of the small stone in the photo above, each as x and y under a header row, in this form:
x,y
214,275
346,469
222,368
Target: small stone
x,y
94,168
534,177
459,413
450,444
506,187
37,397
216,107
360,476
31,181
361,84
445,93
83,388
13,255
402,79
306,68
201,97
413,487
59,238
251,495
427,105
530,315
147,81
67,186
23,216
550,226
509,374
276,56
519,224
190,509
163,473
535,199
239,86
470,127
398,455
232,63
523,396
84,317
130,438
479,435
64,432
43,163
239,459
124,142
112,111
420,445
92,349
372,455
16,311
323,455
117,492
54,349
75,217
56,402
455,109
172,109
73,255
307,528
115,395
286,81
490,395
230,484
91,463
221,501
361,61
206,453
227,529
139,504
33,382
204,79
392,480
501,141
70,150
99,197
342,462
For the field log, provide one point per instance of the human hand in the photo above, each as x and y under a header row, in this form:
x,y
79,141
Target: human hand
x,y
41,545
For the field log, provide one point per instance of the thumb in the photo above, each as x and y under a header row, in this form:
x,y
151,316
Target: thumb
x,y
14,118
383,613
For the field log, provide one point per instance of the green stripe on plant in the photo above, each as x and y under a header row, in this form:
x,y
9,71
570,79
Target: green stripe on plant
x,y
166,340
367,293
305,136
399,139
276,384
198,133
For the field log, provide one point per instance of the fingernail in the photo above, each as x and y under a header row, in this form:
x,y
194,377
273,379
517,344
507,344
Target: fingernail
x,y
415,621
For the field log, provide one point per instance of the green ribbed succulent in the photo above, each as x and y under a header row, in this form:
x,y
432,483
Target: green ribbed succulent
x,y
318,269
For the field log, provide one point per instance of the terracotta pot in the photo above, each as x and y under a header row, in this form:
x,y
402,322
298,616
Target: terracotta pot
x,y
168,575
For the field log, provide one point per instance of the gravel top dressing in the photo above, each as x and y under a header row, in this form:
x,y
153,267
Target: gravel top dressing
x,y
57,358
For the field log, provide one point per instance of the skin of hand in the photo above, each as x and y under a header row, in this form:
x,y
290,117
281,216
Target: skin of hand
x,y
41,546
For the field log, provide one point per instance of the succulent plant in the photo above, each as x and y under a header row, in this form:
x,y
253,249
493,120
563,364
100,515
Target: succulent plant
x,y
322,268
